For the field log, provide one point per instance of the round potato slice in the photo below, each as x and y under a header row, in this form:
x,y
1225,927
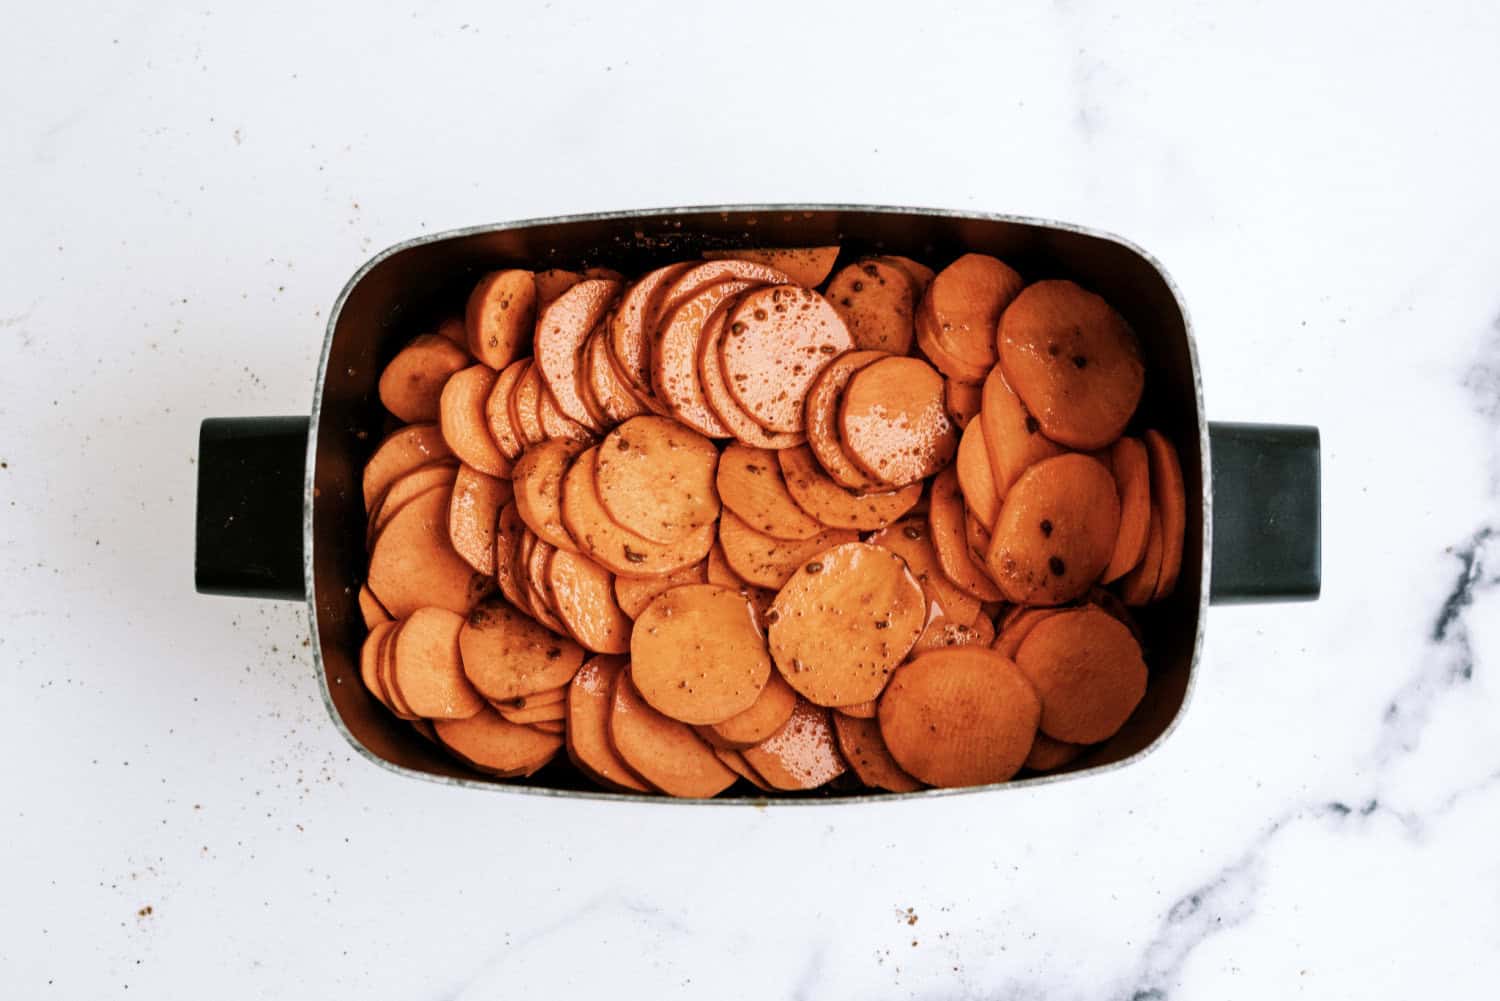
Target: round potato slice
x,y
617,401
716,391
1139,585
803,754
778,340
718,571
619,549
1088,671
700,276
497,410
674,357
539,589
493,744
736,763
537,481
807,266
369,661
1008,642
590,697
844,621
414,565
656,477
1012,436
877,303
764,561
370,609
767,714
956,324
963,400
473,512
453,329
463,422
960,716
510,573
1074,362
750,484
554,282
1056,531
499,317
428,669
507,655
1047,754
859,710
864,748
893,423
664,752
633,594
561,328
525,401
629,335
948,525
583,593
1128,462
1171,497
975,480
697,655
556,424
821,413
402,451
836,506
941,631
411,387
911,539
920,275
409,486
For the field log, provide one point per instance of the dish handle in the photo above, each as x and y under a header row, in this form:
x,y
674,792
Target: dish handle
x,y
1267,513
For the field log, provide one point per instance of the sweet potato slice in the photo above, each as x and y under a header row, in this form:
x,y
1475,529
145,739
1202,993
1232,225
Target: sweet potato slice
x,y
674,358
428,669
408,487
633,594
893,422
920,275
960,716
555,727
835,506
657,478
877,302
525,400
718,571
491,743
1139,585
942,631
537,480
1074,362
1018,627
821,418
911,539
1048,754
619,549
539,588
767,714
843,622
697,654
402,451
500,315
1170,495
590,697
369,660
1132,471
963,400
736,763
583,593
385,675
803,754
411,387
617,402
859,710
497,410
1012,436
556,424
370,608
510,573
723,404
561,329
550,697
807,266
1056,531
956,327
764,561
664,752
506,654
864,748
413,564
463,422
946,520
453,329
689,282
975,480
630,337
552,283
750,484
473,512
533,714
1088,672
778,340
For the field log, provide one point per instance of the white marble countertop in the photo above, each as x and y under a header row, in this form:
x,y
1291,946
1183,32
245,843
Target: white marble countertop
x,y
187,187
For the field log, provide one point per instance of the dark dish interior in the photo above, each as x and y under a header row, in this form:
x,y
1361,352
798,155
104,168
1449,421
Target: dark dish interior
x,y
409,290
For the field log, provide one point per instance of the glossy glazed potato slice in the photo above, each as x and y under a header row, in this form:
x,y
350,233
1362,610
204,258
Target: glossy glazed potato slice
x,y
552,283
1049,754
497,410
893,422
807,266
718,571
507,655
821,418
697,654
370,608
1056,531
689,282
767,714
630,338
552,711
453,329
1139,585
920,275
405,489
402,451
664,752
537,482
750,484
525,401
473,512
960,716
835,506
1131,467
723,404
877,303
413,564
778,339
736,763
551,697
766,562
369,660
942,631
539,589
556,424
946,522
657,478
590,699
411,387
864,748
1170,495
500,315
616,400
1012,435
975,480
463,423
674,358
583,593
1088,672
428,669
561,328
633,594
510,572
963,400
1008,642
385,675
803,754
859,710
492,744
619,549
956,323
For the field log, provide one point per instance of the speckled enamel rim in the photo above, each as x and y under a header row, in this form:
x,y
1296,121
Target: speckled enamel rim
x,y
609,797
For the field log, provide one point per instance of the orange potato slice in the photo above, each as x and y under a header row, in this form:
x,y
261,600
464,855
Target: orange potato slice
x,y
369,660
802,754
864,748
409,486
877,302
956,325
778,339
539,590
590,697
619,549
411,386
453,329
718,571
556,424
1139,585
1170,494
583,593
402,451
975,480
764,561
525,403
617,401
674,358
664,752
490,743
1132,471
413,564
1012,436
428,669
1017,628
736,763
657,478
821,417
689,282
697,654
920,275
510,530
893,423
634,594
499,316
1048,754
836,506
723,404
552,712
550,697
750,484
473,512
942,631
807,266
506,655
1056,531
946,522
552,283
1088,672
859,710
767,714
463,423
370,608
963,400
537,480
561,329
497,411
630,337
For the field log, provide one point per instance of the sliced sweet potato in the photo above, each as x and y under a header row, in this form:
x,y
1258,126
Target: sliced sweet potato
x,y
807,266
615,399
619,549
633,594
500,315
723,404
664,752
369,660
697,654
956,325
767,714
963,400
1170,495
764,561
657,477
370,608
960,716
537,480
550,697
1048,754
506,654
674,356
736,763
463,422
1111,603
590,697
428,669
583,593
493,744
844,621
539,588
411,387
561,328
821,418
409,486
718,571
413,564
533,714
893,422
1018,627
750,484
877,302
1056,531
497,410
556,424
525,400
629,335
920,275
978,538
1139,585
552,283
453,329
1074,362
510,573
942,631
555,727
402,451
385,675
864,748
473,512
1012,436
859,710
1088,672
803,754
698,277
947,523
778,339
1132,472
835,506
975,480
